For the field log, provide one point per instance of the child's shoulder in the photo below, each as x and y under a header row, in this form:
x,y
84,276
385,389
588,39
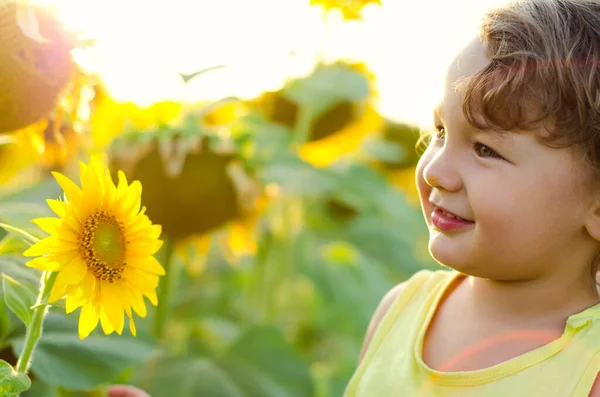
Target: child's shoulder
x,y
424,279
421,279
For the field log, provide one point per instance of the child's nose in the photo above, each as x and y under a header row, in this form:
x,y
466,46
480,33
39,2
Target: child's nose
x,y
441,172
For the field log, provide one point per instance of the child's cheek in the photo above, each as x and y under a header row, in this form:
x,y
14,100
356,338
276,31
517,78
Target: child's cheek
x,y
422,186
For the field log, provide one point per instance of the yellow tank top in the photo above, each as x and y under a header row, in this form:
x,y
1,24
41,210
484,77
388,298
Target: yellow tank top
x,y
393,366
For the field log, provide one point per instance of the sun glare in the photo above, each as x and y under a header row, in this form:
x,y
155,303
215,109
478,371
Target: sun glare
x,y
143,45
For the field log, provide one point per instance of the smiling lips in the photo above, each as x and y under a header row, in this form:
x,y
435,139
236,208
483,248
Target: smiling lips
x,y
445,221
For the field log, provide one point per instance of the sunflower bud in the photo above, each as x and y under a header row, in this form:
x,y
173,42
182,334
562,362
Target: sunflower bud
x,y
189,191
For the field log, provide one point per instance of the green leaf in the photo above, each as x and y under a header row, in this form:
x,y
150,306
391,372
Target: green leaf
x,y
15,384
40,388
187,377
6,326
385,151
12,243
20,215
261,363
327,86
299,178
12,382
190,76
18,298
62,359
18,208
265,364
14,266
6,369
33,194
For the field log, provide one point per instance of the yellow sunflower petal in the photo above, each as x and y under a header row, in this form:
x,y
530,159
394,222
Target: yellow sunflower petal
x,y
110,191
137,223
148,264
88,320
57,293
59,207
71,225
49,225
72,191
131,200
151,295
83,168
141,280
122,186
136,194
73,272
48,245
132,328
141,284
88,287
126,300
63,257
67,234
72,303
107,327
92,183
57,227
137,302
150,230
144,247
112,306
44,263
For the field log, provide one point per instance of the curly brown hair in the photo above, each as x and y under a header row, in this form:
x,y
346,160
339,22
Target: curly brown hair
x,y
544,69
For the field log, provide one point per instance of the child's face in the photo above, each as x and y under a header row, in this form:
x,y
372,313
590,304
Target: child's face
x,y
526,202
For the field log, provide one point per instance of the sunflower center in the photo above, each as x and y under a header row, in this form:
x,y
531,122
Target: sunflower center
x,y
102,245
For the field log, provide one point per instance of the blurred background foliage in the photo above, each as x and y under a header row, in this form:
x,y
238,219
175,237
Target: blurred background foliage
x,y
286,217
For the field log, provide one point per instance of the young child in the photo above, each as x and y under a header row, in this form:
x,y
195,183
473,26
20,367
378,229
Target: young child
x,y
509,187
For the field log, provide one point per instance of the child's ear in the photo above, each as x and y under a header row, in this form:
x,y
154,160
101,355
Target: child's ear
x,y
592,223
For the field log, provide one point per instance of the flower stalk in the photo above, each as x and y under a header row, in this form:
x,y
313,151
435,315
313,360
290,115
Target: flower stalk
x,y
166,289
34,330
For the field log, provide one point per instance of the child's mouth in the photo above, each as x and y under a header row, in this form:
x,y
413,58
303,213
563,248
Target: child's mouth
x,y
446,221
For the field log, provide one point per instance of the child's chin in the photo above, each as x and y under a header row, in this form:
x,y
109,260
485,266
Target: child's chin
x,y
459,264
453,259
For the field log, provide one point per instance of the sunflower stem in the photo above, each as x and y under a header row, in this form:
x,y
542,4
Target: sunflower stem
x,y
302,128
21,232
165,290
34,330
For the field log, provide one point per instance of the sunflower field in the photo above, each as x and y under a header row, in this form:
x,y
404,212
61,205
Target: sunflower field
x,y
227,248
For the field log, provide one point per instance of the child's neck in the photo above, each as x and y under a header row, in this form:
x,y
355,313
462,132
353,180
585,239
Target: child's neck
x,y
532,301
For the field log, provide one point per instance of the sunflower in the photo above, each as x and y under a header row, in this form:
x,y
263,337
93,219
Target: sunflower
x,y
102,247
110,118
348,89
350,9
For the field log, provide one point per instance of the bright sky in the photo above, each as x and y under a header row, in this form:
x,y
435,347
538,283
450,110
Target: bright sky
x,y
144,43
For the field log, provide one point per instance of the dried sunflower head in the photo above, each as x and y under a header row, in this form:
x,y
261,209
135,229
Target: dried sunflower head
x,y
191,187
36,63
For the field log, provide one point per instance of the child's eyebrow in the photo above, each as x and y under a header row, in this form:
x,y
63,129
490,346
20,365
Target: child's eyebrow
x,y
500,137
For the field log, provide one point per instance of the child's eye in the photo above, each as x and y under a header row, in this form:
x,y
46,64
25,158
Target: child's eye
x,y
485,151
440,132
